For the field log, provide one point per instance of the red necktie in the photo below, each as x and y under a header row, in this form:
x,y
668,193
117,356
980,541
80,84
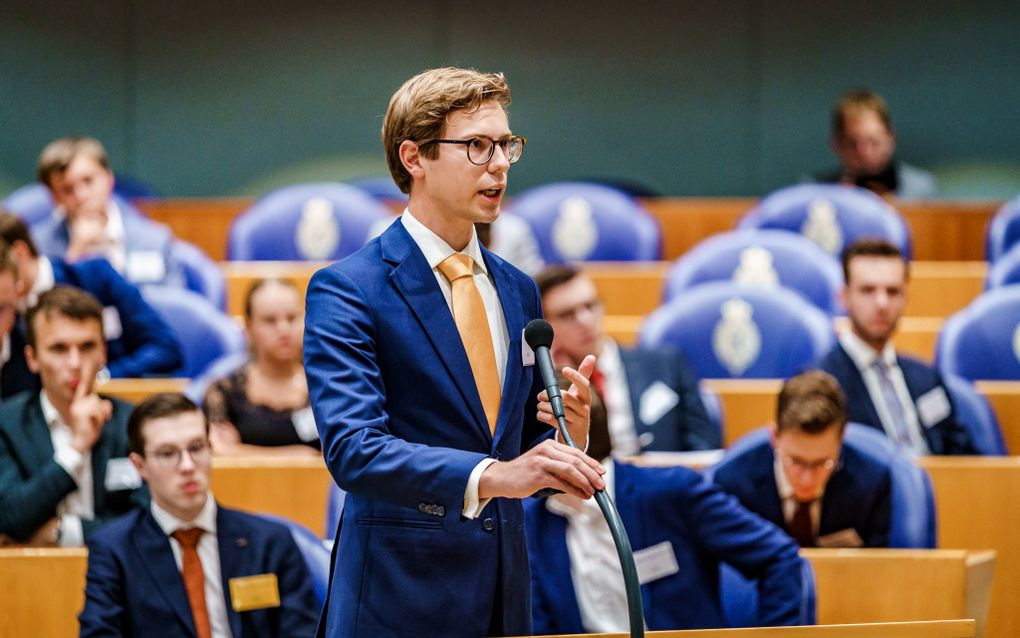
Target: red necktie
x,y
801,528
194,578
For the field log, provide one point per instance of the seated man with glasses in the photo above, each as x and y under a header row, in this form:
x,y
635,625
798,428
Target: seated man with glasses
x,y
185,566
804,480
63,449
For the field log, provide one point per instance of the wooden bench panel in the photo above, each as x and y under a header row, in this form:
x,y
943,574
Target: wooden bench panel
x,y
42,591
135,390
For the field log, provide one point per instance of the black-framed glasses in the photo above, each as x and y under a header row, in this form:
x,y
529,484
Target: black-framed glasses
x,y
826,465
480,149
170,456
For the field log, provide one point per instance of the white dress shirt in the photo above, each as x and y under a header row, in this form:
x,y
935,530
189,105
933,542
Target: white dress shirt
x,y
864,358
79,504
436,250
208,553
44,280
619,411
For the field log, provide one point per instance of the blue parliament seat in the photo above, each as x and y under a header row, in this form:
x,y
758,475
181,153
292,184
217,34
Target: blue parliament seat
x,y
204,331
1003,230
201,273
831,215
766,258
982,341
305,222
976,416
727,330
313,550
578,221
1005,271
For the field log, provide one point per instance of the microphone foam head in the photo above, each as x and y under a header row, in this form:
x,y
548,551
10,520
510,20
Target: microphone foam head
x,y
537,333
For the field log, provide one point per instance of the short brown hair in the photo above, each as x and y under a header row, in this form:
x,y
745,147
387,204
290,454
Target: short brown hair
x,y
857,101
58,154
66,301
871,247
7,263
157,406
811,402
13,228
555,276
419,108
262,283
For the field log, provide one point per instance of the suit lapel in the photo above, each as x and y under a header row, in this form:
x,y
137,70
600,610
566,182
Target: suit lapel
x,y
37,435
510,301
101,452
866,409
234,553
417,284
157,559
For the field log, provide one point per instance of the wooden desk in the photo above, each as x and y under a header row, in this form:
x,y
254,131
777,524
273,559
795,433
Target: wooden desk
x,y
1004,397
929,629
137,390
41,591
978,507
204,222
888,585
294,488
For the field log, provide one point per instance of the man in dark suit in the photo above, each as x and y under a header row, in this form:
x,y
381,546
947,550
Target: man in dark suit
x,y
651,395
429,411
63,465
15,376
887,390
89,223
804,480
139,342
681,528
185,566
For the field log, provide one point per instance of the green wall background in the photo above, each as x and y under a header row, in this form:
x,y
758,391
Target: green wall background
x,y
715,98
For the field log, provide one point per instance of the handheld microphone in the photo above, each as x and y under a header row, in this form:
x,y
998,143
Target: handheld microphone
x,y
539,336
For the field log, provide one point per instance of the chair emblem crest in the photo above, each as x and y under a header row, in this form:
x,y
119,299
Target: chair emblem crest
x,y
574,232
822,227
736,339
317,234
756,268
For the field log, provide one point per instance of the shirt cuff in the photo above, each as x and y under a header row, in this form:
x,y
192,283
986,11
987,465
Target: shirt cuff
x,y
472,506
71,532
71,460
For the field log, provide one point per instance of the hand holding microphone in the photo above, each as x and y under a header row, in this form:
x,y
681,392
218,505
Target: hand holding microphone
x,y
573,407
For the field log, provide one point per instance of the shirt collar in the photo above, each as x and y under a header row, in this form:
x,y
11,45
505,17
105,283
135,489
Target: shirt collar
x,y
206,519
44,280
114,223
609,357
571,507
50,414
863,355
435,248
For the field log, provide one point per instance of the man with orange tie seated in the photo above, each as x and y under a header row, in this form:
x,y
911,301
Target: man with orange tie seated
x,y
804,480
187,567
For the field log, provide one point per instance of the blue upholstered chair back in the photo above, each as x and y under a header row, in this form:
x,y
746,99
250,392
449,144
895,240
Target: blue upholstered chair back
x,y
578,221
316,221
380,187
913,522
739,597
217,369
831,215
201,273
204,331
313,550
766,258
1005,271
1004,230
726,330
982,341
974,414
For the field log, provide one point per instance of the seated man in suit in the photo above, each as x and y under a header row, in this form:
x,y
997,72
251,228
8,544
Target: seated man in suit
x,y
88,223
15,376
185,566
651,395
886,390
864,140
681,528
139,342
63,450
804,480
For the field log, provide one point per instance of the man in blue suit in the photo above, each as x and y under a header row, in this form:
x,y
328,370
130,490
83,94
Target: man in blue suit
x,y
63,449
15,376
139,342
186,567
681,528
804,479
89,223
886,390
430,414
651,395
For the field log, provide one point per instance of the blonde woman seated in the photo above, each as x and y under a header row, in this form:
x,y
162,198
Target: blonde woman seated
x,y
262,407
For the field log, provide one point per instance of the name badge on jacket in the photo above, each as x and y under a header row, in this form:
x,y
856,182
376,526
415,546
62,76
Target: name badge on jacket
x,y
121,475
655,562
933,406
254,592
527,354
145,266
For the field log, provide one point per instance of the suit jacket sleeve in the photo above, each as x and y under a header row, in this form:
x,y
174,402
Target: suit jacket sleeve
x,y
148,340
877,534
105,600
26,504
758,549
348,396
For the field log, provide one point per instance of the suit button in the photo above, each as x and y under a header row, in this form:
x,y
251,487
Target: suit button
x,y
488,525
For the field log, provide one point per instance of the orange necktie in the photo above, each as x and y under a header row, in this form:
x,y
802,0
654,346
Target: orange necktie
x,y
194,578
473,325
